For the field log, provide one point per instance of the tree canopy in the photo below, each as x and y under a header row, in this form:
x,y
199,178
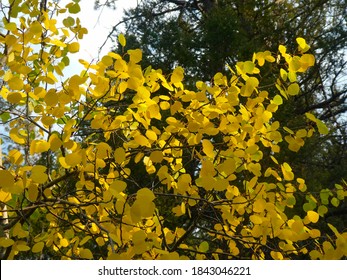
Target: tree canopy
x,y
122,161
204,37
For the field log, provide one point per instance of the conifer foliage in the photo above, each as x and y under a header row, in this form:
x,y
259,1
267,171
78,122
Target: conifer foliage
x,y
171,173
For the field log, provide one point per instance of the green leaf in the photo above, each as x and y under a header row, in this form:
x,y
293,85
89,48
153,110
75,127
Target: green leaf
x,y
277,100
74,8
322,128
203,247
335,202
69,21
293,89
5,117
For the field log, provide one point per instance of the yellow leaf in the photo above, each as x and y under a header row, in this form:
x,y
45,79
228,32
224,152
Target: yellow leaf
x,y
292,77
22,247
307,60
38,247
203,247
36,28
177,210
252,149
151,135
156,156
251,84
315,233
277,100
100,241
239,203
183,207
282,49
259,205
207,147
297,226
138,157
121,40
135,211
117,186
255,168
5,196
15,97
33,192
164,105
301,133
284,74
85,240
255,219
248,67
119,155
312,216
57,43
122,86
5,242
107,60
302,44
177,75
55,142
15,83
39,146
322,128
145,194
73,159
103,150
142,140
135,55
64,242
139,237
6,180
276,255
51,98
293,89
86,254
38,174
143,93
10,26
287,172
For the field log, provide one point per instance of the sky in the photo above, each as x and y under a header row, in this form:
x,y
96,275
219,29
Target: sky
x,y
99,24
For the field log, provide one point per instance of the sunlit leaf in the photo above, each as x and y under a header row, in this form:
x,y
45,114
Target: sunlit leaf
x,y
121,39
86,254
145,194
6,180
278,100
208,148
293,89
38,174
313,216
203,247
5,242
15,83
177,75
73,47
156,156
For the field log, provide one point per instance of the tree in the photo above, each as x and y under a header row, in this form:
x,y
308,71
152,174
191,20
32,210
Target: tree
x,y
204,40
74,198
